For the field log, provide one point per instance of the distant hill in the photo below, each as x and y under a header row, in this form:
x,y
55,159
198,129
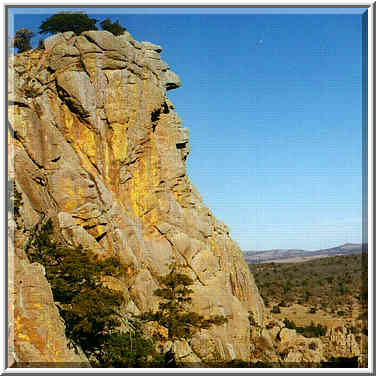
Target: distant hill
x,y
295,255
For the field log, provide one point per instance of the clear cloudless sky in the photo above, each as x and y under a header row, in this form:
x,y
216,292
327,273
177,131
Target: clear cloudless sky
x,y
273,103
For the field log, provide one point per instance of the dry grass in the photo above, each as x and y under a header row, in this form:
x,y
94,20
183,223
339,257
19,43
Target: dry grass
x,y
300,315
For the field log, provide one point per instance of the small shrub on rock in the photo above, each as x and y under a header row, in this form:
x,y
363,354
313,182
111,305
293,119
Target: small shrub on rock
x,y
174,313
77,22
113,27
22,39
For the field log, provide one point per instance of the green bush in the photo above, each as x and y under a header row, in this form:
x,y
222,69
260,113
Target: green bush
x,y
174,310
312,330
113,27
22,39
89,309
307,331
77,22
289,324
124,350
325,284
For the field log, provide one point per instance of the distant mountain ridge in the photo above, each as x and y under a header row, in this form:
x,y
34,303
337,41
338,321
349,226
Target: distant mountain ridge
x,y
293,254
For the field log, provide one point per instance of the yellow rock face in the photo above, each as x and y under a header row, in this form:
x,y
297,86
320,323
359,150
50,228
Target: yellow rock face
x,y
101,150
36,333
119,141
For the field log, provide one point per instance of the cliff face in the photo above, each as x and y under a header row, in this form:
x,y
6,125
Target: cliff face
x,y
94,143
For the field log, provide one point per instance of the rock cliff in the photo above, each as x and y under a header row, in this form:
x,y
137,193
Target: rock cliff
x,y
94,143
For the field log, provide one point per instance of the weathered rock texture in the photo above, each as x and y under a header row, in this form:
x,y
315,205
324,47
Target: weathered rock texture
x,y
299,351
96,145
36,333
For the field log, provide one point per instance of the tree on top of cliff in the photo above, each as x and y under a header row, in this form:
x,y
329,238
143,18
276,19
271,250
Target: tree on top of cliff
x,y
174,312
21,40
68,21
113,27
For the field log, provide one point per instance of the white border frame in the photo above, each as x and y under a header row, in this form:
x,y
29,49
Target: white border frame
x,y
370,186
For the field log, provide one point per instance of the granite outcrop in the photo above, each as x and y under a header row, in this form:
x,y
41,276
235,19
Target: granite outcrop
x,y
95,144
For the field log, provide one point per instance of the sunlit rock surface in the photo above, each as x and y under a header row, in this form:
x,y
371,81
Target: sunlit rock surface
x,y
96,145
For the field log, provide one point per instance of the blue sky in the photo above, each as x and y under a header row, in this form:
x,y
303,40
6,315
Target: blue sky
x,y
273,103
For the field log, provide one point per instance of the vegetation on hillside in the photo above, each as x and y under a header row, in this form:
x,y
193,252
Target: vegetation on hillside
x,y
332,284
174,312
308,331
90,310
336,286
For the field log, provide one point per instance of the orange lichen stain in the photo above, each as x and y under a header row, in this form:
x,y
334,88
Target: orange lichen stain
x,y
79,221
135,193
68,119
91,66
23,337
85,162
25,330
119,141
87,143
100,230
33,59
142,185
69,205
82,139
212,245
15,115
108,164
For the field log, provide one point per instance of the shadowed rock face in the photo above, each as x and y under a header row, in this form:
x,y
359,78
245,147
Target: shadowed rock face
x,y
96,145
